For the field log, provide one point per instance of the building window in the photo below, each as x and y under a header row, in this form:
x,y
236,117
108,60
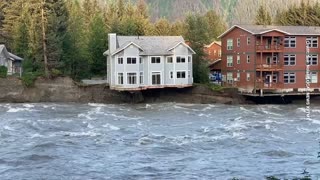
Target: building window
x,y
314,77
248,58
248,40
141,77
313,59
156,78
120,78
189,74
181,59
131,60
132,78
140,60
238,76
229,61
189,59
289,78
238,59
289,59
169,60
290,42
229,77
171,75
155,60
181,74
238,42
229,44
219,53
248,76
312,42
120,60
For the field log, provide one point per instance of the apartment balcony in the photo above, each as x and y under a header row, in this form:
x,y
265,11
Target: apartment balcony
x,y
269,67
269,85
269,48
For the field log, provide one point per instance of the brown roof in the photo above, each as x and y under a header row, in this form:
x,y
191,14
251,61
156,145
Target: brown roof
x,y
289,30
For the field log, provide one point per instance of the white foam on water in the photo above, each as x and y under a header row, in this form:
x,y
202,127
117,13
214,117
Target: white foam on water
x,y
77,134
90,126
267,126
96,105
13,110
28,105
248,111
8,128
111,127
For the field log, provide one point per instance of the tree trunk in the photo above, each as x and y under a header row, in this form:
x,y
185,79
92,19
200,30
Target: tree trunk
x,y
44,43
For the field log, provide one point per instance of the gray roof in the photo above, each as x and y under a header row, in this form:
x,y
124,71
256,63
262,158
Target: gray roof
x,y
15,57
289,30
151,45
8,54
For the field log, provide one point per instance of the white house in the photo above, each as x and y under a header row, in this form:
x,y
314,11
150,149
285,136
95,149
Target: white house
x,y
11,61
147,62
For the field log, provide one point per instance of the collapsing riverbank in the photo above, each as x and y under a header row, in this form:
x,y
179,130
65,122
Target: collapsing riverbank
x,y
64,89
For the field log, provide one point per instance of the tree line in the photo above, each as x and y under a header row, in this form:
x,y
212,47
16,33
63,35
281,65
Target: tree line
x,y
68,37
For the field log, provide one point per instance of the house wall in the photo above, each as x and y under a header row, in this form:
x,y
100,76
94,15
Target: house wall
x,y
213,52
147,67
3,59
243,51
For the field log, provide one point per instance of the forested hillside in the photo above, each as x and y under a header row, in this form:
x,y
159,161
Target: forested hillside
x,y
233,11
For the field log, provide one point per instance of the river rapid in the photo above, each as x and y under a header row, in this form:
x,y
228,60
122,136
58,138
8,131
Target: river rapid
x,y
157,141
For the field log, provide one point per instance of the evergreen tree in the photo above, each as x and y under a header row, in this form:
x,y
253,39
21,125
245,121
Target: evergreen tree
x,y
215,23
263,16
97,45
197,35
162,27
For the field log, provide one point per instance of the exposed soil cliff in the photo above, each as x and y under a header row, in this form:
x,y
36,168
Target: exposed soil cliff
x,y
64,89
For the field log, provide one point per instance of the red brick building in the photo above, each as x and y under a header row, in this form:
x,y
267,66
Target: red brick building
x,y
213,52
270,59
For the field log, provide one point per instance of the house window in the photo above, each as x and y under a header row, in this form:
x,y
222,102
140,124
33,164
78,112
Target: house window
x,y
229,61
171,75
189,74
313,59
312,42
248,76
248,40
289,78
132,78
219,53
290,42
248,58
181,74
314,77
189,59
169,60
238,59
238,76
120,78
229,77
289,59
229,44
238,42
155,60
181,59
120,60
141,77
156,78
140,60
131,60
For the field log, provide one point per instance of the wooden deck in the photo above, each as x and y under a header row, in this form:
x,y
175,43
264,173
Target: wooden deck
x,y
150,87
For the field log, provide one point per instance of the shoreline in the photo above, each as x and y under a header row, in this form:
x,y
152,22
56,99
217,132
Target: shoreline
x,y
64,90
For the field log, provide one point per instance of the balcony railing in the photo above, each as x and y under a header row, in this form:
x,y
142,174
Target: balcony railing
x,y
269,48
268,85
269,67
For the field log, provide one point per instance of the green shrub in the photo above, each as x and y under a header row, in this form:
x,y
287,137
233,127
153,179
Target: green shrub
x,y
55,73
3,71
29,78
